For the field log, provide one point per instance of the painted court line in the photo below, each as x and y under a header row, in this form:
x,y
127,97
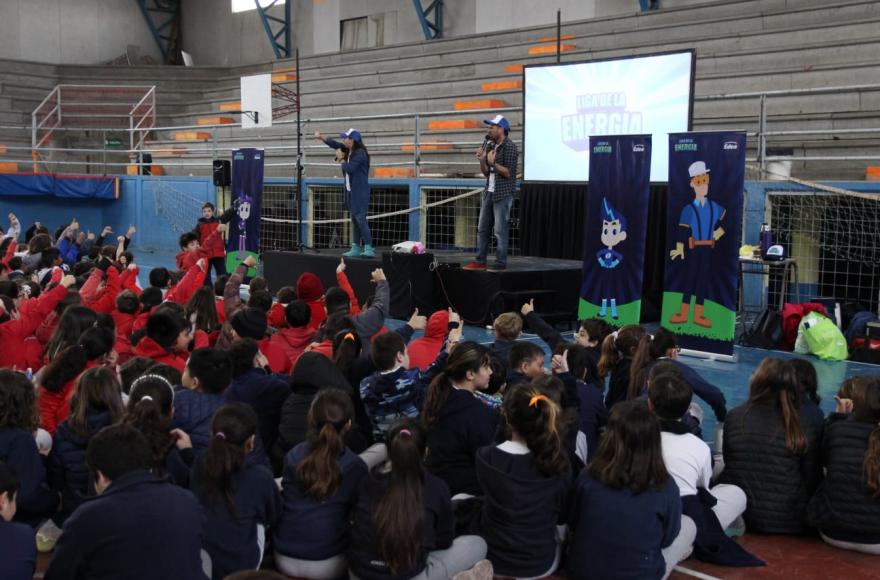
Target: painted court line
x,y
694,573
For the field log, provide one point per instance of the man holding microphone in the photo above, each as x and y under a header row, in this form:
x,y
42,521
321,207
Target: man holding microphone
x,y
498,158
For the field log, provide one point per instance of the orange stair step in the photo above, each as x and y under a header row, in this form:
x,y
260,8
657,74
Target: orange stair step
x,y
551,48
513,68
167,151
393,172
451,125
215,121
191,136
479,104
438,145
283,78
157,170
2,149
278,71
501,86
230,107
872,173
8,167
553,38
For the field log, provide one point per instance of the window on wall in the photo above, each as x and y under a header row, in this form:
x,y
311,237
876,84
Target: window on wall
x,y
245,5
353,34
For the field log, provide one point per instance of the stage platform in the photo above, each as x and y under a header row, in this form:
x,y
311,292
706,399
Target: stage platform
x,y
436,280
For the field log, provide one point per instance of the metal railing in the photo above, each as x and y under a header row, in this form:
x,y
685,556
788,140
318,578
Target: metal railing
x,y
48,118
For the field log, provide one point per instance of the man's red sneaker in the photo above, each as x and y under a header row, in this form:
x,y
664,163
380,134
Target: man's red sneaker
x,y
474,266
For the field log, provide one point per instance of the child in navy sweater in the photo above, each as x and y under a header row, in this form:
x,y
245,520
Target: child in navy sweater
x,y
206,376
18,552
320,480
525,482
403,525
618,349
626,512
239,499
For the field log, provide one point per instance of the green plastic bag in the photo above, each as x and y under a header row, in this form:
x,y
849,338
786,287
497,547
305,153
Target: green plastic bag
x,y
823,337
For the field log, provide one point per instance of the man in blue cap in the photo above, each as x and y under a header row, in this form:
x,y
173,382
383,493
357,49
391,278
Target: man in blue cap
x,y
355,163
498,157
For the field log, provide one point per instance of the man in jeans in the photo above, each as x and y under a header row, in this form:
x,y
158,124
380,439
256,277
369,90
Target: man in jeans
x,y
498,157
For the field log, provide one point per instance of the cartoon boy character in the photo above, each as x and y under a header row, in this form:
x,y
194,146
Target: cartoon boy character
x,y
613,232
243,210
699,227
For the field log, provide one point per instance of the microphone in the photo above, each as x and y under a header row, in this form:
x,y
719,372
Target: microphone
x,y
486,141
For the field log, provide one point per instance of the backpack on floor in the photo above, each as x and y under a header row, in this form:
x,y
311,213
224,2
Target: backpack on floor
x,y
822,337
766,331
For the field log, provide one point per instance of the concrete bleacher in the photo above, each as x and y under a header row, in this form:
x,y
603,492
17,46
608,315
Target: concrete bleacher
x,y
746,46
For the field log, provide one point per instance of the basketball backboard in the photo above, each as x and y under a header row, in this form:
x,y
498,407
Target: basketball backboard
x,y
256,97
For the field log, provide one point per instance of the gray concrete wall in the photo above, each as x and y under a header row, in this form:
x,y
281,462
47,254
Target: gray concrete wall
x,y
72,31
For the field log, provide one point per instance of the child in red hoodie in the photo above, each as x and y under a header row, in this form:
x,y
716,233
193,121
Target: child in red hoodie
x,y
207,225
167,339
277,316
294,339
127,306
423,351
192,250
310,290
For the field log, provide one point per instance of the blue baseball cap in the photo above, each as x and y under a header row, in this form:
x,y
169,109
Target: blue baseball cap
x,y
499,121
351,134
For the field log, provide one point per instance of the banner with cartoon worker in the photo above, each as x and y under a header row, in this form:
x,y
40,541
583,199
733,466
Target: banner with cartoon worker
x,y
706,179
614,231
247,200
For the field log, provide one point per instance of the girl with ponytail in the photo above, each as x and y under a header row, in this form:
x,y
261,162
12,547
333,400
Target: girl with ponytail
x,y
618,349
663,346
846,508
457,423
150,409
321,476
771,450
525,483
96,403
239,497
403,524
94,348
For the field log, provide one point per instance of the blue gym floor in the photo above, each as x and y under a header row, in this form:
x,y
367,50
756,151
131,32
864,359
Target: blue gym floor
x,y
731,378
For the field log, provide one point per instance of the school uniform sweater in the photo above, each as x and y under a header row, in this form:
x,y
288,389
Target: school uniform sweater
x,y
18,551
68,472
617,534
316,530
618,383
231,536
521,508
140,528
464,425
265,393
438,526
702,388
592,415
18,450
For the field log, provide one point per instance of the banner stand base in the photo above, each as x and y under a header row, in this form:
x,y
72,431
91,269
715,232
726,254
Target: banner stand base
x,y
728,358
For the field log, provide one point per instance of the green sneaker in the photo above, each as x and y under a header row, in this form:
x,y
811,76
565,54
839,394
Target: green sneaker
x,y
354,252
369,251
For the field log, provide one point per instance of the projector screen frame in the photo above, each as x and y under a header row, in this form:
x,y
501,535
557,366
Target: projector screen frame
x,y
690,119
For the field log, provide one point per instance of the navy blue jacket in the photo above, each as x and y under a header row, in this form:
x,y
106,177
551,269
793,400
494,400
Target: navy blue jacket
x,y
438,529
618,383
140,528
68,472
193,413
18,551
265,393
464,425
521,508
311,530
616,534
18,450
358,170
592,416
702,388
230,537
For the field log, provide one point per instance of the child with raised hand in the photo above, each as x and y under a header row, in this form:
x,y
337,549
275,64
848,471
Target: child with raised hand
x,y
626,510
18,553
689,461
457,424
772,451
150,409
403,524
662,345
239,498
591,411
846,507
18,423
618,349
524,483
215,251
590,334
526,362
93,349
95,404
319,486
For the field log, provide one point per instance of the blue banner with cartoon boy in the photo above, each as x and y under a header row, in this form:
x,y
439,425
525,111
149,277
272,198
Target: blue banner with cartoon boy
x,y
247,199
703,235
614,232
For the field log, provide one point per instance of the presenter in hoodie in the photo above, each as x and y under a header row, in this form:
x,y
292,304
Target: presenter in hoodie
x,y
355,162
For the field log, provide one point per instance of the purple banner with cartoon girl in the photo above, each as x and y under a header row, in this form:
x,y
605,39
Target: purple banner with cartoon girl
x,y
614,233
704,232
247,199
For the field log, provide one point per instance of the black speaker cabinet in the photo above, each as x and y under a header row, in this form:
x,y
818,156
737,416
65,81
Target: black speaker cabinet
x,y
222,172
412,283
